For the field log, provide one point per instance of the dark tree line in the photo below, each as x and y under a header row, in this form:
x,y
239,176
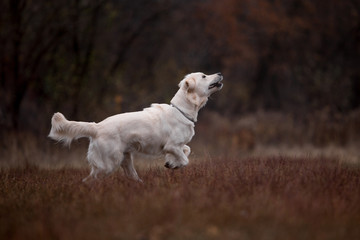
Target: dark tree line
x,y
95,58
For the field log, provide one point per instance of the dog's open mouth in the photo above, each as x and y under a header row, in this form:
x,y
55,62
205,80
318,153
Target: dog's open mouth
x,y
216,84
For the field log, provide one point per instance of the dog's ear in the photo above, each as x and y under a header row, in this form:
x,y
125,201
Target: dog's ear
x,y
188,83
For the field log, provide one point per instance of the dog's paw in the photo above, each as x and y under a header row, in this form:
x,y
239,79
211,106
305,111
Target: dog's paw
x,y
168,165
172,165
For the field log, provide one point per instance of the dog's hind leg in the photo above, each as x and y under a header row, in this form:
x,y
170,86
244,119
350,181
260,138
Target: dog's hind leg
x,y
104,157
128,165
100,162
93,174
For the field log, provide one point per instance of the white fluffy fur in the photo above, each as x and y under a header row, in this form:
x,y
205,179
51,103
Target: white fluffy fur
x,y
159,129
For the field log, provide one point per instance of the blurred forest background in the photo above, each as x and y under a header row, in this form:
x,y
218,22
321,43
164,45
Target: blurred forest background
x,y
291,67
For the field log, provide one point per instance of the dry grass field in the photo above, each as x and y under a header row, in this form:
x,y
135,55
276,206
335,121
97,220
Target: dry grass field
x,y
224,198
276,154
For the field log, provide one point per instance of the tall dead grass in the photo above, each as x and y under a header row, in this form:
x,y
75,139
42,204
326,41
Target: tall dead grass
x,y
272,181
322,133
268,198
260,134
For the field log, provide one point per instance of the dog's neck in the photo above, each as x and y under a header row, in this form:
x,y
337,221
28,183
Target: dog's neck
x,y
188,108
184,114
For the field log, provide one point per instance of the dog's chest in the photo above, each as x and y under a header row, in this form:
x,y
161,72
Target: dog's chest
x,y
182,134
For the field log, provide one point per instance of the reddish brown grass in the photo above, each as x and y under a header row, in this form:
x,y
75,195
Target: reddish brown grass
x,y
274,198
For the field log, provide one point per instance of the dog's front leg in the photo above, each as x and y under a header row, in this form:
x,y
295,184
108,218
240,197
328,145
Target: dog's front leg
x,y
187,150
176,157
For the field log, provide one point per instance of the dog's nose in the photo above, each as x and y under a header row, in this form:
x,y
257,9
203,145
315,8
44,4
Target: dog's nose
x,y
219,73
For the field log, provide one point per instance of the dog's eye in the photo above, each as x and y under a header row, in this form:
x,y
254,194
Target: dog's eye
x,y
203,76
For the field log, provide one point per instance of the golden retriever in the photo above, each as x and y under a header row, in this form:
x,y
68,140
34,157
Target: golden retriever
x,y
159,129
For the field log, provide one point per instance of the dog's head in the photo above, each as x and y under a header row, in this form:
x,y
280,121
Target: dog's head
x,y
199,86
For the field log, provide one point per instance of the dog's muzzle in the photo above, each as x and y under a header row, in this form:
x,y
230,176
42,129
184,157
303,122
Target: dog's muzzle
x,y
217,83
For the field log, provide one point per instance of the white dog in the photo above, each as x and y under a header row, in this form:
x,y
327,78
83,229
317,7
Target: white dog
x,y
159,129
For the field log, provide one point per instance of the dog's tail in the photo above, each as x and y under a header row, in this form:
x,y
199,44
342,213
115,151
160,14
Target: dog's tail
x,y
65,131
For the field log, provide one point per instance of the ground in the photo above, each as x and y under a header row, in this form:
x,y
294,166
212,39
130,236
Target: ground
x,y
224,198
